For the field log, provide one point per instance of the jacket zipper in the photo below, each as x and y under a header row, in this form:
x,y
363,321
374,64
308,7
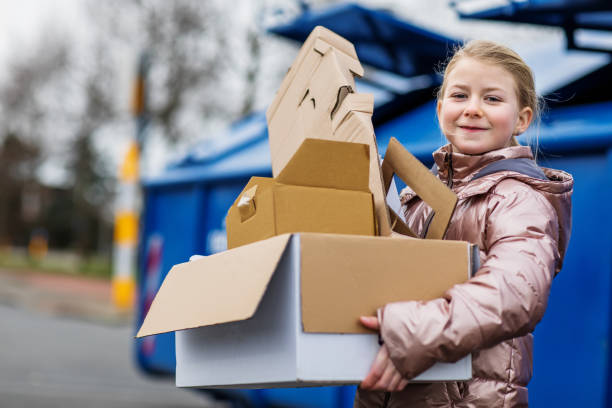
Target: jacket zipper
x,y
449,163
386,401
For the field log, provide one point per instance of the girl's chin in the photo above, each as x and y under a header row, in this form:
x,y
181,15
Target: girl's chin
x,y
468,149
475,148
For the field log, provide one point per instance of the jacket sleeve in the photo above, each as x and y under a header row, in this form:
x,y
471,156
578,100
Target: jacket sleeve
x,y
506,298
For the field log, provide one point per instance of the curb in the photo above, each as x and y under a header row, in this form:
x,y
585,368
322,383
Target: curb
x,y
61,295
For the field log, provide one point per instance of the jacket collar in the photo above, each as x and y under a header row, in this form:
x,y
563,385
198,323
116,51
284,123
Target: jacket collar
x,y
463,167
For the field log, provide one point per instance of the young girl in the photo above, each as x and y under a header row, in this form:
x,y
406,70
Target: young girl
x,y
520,219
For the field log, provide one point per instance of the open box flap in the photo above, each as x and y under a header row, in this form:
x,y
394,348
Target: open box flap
x,y
398,225
344,277
329,164
428,187
220,288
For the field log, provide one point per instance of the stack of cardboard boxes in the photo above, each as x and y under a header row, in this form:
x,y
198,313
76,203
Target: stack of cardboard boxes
x,y
312,249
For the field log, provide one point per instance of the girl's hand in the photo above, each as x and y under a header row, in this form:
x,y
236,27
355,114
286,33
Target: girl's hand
x,y
382,375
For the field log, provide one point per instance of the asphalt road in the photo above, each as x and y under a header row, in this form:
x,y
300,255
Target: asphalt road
x,y
63,344
48,361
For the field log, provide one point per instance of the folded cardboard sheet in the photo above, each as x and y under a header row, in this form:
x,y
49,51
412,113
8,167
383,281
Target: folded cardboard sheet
x,y
317,100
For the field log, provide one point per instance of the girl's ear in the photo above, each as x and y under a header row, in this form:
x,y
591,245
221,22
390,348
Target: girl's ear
x,y
525,116
438,107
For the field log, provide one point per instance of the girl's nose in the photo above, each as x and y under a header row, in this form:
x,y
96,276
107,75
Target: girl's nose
x,y
472,108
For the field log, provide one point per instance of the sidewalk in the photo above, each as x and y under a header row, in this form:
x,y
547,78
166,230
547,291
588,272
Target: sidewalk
x,y
61,295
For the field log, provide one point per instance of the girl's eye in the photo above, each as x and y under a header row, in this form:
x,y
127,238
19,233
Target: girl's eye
x,y
458,96
492,99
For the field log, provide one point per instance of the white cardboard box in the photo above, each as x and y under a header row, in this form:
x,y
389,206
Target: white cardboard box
x,y
271,349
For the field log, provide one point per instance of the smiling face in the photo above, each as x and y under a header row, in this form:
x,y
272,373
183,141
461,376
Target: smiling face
x,y
479,109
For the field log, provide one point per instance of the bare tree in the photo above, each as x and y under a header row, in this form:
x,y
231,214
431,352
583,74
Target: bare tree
x,y
206,66
91,178
54,100
187,44
17,159
24,120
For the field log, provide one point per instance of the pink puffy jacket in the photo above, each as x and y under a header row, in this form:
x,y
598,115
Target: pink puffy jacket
x,y
522,227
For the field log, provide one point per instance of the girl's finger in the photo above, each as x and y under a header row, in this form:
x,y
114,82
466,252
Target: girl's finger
x,y
371,322
385,380
395,380
402,384
376,370
371,379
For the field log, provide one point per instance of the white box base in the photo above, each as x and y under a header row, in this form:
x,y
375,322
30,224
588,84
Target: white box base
x,y
271,350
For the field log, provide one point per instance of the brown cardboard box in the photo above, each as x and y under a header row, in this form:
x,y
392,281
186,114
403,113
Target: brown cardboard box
x,y
342,277
324,188
317,100
284,311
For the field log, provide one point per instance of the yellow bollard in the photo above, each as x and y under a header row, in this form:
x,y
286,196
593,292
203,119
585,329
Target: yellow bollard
x,y
126,231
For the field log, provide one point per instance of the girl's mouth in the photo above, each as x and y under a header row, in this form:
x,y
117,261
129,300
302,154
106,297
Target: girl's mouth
x,y
472,128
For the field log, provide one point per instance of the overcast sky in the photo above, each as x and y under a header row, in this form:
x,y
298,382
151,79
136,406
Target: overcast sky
x,y
21,20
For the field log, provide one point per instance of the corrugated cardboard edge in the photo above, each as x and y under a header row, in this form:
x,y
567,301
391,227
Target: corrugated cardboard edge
x,y
220,288
353,102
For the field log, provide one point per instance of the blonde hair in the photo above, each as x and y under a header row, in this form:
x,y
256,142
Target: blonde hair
x,y
497,54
